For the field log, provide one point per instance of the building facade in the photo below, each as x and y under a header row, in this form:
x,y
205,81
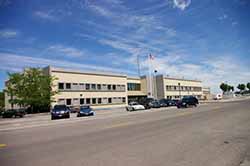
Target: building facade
x,y
100,89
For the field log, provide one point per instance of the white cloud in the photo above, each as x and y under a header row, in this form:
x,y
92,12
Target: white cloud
x,y
182,4
67,51
47,15
211,72
8,33
9,63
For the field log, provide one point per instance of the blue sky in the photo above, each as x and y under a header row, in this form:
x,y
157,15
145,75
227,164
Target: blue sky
x,y
206,40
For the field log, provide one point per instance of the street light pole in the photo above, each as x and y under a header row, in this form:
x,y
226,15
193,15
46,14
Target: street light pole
x,y
179,84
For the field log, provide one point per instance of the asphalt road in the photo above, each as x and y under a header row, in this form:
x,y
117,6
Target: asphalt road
x,y
209,135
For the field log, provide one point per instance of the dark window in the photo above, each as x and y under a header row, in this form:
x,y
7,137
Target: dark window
x,y
60,85
94,101
81,101
109,100
109,87
87,86
114,87
68,101
99,86
88,101
68,85
133,87
93,86
124,100
99,100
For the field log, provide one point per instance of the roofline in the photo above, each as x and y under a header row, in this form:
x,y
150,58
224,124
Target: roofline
x,y
61,70
181,79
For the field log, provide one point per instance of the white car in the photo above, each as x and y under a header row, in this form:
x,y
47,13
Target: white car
x,y
133,106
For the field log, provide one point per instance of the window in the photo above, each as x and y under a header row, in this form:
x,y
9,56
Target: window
x,y
75,86
88,101
123,87
68,85
104,100
99,100
81,101
134,87
114,87
109,100
68,101
99,86
109,87
124,99
87,86
93,100
93,86
104,87
81,86
60,85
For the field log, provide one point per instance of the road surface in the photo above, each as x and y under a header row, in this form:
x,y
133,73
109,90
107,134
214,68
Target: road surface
x,y
215,134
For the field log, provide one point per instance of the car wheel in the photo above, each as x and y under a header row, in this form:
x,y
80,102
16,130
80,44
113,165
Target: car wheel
x,y
52,118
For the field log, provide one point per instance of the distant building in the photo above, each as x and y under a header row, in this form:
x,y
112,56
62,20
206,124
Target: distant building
x,y
206,93
102,89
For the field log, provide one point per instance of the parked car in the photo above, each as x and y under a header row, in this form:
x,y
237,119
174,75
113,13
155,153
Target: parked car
x,y
175,101
60,111
187,101
13,113
155,104
146,102
133,106
167,103
85,111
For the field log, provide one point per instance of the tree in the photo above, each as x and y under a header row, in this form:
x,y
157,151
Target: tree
x,y
224,87
1,100
32,89
241,87
248,86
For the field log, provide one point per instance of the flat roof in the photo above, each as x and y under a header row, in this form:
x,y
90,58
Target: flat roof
x,y
73,71
181,79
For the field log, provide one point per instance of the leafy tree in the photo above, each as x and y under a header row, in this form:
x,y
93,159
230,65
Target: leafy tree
x,y
241,87
1,100
32,89
248,86
223,87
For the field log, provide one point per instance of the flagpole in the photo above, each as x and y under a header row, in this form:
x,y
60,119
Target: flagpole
x,y
149,77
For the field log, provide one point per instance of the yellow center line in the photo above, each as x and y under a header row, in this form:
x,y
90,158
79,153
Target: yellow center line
x,y
2,145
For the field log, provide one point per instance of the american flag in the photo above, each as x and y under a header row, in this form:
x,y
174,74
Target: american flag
x,y
151,57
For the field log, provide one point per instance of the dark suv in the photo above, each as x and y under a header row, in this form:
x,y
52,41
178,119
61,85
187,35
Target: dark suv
x,y
187,101
146,102
60,111
13,113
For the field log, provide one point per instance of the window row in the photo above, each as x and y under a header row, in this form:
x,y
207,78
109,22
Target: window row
x,y
92,101
178,97
134,87
90,87
182,88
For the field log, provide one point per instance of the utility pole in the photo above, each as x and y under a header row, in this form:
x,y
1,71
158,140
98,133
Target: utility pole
x,y
179,84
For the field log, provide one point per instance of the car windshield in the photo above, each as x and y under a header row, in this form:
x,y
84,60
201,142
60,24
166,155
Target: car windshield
x,y
60,107
85,107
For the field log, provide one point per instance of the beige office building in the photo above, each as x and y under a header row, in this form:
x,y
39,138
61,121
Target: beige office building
x,y
101,89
